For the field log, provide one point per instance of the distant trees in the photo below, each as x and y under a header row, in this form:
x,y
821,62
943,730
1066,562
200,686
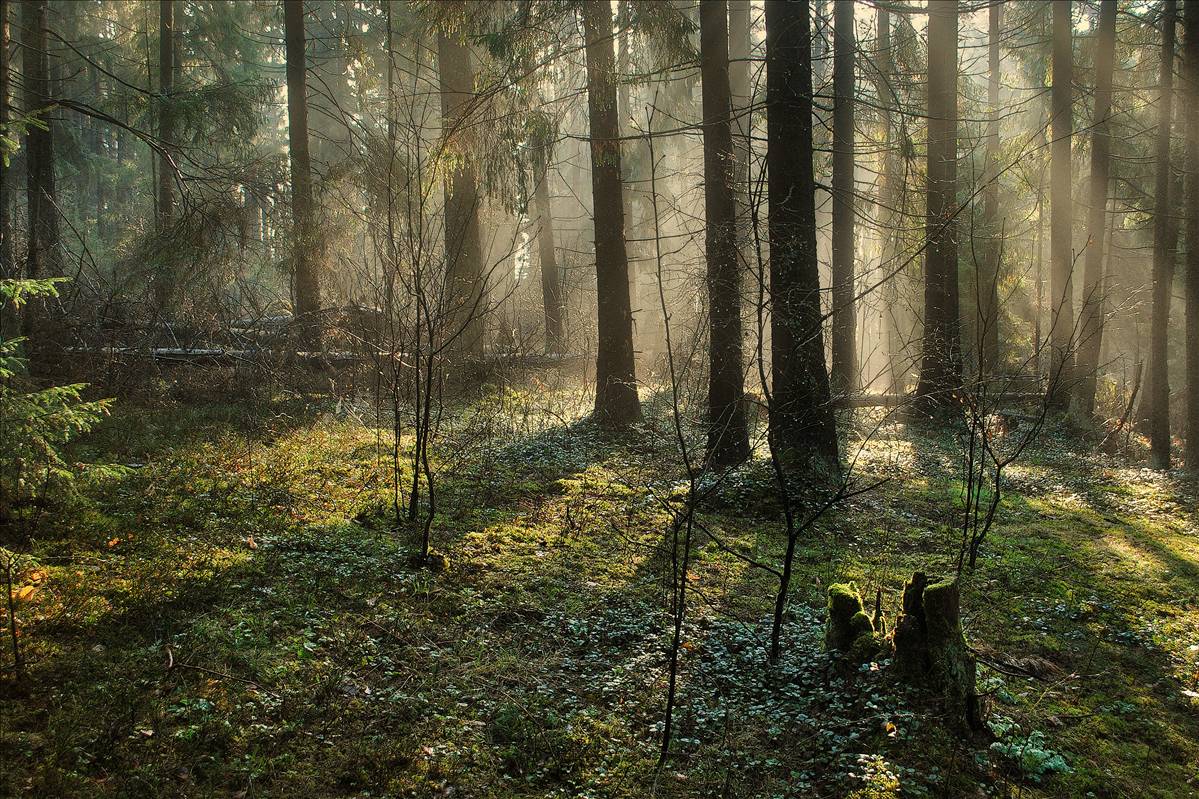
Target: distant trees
x,y
551,278
306,248
728,435
801,414
616,401
1061,210
940,363
1157,395
844,369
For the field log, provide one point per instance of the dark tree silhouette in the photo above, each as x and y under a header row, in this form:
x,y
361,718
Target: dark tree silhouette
x,y
987,288
843,372
305,244
1061,211
801,414
940,362
616,402
728,435
1191,74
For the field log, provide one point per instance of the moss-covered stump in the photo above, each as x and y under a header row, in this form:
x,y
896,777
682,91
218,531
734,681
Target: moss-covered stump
x,y
930,649
850,629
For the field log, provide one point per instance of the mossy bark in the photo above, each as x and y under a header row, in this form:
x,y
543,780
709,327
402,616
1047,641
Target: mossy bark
x,y
930,649
850,629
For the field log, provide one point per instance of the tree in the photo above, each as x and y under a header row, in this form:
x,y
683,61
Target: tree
x,y
616,402
305,244
551,278
843,373
1090,326
987,288
465,291
891,198
1061,211
7,263
801,413
1157,396
742,98
164,280
728,434
940,363
45,258
1191,73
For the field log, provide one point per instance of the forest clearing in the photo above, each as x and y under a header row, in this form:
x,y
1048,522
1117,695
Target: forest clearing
x,y
599,398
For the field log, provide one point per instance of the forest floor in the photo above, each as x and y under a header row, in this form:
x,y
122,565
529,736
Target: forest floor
x,y
226,610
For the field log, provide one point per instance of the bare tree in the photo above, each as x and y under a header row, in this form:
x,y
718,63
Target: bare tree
x,y
1061,210
306,248
844,370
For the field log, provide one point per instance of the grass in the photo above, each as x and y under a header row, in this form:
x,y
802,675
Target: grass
x,y
231,613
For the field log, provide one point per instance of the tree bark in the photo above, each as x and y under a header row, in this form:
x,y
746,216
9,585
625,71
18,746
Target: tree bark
x,y
940,364
7,265
164,279
551,277
801,412
465,292
44,259
1191,72
1061,212
987,288
1158,384
728,434
742,99
1090,323
306,246
616,401
844,369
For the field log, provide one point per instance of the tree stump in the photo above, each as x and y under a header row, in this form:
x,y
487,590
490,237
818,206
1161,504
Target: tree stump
x,y
850,629
930,649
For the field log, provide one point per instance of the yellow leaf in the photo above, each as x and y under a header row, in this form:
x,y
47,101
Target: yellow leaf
x,y
24,593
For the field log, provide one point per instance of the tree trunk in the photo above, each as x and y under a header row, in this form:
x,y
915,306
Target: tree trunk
x,y
801,412
1191,73
940,364
306,247
728,434
1090,323
7,265
742,99
891,193
164,280
1158,384
551,278
1061,212
987,288
465,292
44,258
844,369
616,402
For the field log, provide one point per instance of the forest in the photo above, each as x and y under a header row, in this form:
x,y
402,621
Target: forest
x,y
599,398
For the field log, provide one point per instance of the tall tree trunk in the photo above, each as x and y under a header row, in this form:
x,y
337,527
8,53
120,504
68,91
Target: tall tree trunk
x,y
891,193
551,277
742,98
941,364
801,413
616,402
728,434
844,368
465,292
7,265
306,246
1061,212
1090,323
164,280
1158,386
987,288
1191,71
44,258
